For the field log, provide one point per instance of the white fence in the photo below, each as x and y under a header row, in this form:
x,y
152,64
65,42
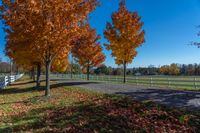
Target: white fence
x,y
189,82
6,80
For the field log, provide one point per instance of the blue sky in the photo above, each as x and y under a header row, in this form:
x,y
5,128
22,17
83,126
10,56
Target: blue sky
x,y
170,25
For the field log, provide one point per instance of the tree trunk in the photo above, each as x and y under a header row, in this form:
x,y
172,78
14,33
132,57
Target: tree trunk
x,y
11,72
88,72
17,69
71,71
30,74
72,67
124,72
47,90
33,74
38,75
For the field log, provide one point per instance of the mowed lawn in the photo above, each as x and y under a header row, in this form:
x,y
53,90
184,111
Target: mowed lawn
x,y
23,108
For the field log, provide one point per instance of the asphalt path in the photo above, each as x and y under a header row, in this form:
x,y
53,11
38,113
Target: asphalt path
x,y
169,97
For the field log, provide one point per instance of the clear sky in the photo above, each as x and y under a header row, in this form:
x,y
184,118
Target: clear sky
x,y
170,25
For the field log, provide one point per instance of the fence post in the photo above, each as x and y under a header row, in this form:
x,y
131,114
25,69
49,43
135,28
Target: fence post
x,y
136,81
168,81
5,81
151,82
195,83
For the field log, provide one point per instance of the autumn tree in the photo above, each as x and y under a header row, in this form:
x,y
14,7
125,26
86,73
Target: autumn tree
x,y
164,69
174,69
125,34
18,35
22,57
88,51
46,26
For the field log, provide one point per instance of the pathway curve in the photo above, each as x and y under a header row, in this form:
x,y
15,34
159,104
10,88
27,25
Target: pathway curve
x,y
169,97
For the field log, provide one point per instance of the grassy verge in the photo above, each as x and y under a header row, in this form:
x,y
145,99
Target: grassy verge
x,y
23,108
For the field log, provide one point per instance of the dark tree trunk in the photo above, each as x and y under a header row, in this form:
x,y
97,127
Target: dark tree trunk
x,y
48,66
38,75
72,67
71,71
124,72
33,74
88,72
17,71
30,74
11,72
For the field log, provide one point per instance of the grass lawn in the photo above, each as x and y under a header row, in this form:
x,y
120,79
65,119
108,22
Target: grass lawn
x,y
23,108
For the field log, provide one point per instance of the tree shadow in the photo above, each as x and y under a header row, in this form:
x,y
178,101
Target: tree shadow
x,y
29,101
33,115
71,83
17,90
24,83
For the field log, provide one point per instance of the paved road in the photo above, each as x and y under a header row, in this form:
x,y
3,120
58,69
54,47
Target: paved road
x,y
169,97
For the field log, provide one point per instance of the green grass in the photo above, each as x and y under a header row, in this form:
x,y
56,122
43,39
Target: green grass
x,y
23,108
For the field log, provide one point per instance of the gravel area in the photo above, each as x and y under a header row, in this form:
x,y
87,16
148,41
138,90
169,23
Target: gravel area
x,y
170,97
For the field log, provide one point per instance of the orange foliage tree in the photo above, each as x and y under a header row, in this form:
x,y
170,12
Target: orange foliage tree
x,y
164,69
46,26
88,51
23,57
172,69
125,34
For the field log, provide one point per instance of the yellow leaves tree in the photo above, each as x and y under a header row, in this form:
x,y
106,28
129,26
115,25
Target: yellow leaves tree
x,y
125,34
88,51
17,51
172,69
164,69
46,27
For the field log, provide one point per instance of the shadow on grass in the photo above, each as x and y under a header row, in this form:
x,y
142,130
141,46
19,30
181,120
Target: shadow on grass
x,y
100,115
71,83
31,120
41,88
24,83
19,90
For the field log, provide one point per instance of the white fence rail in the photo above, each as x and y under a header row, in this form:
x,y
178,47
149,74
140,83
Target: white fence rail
x,y
150,81
6,80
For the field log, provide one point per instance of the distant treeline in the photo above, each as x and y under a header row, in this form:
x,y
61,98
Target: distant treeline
x,y
173,69
6,67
